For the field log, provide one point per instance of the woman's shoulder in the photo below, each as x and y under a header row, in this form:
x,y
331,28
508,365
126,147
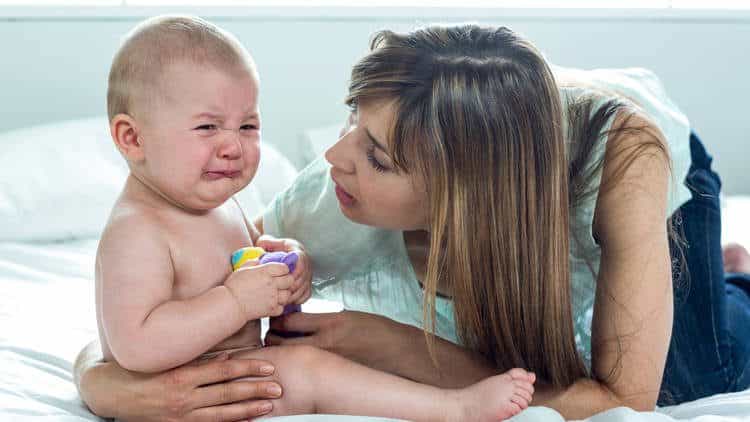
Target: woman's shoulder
x,y
646,104
639,87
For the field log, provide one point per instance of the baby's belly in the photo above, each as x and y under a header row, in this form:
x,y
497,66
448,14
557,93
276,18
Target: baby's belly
x,y
246,338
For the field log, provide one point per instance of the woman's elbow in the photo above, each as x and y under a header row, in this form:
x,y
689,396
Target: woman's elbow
x,y
641,402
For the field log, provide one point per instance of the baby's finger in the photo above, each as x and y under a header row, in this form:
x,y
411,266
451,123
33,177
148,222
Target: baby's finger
x,y
276,311
271,244
297,285
296,296
283,297
284,282
305,297
275,269
248,264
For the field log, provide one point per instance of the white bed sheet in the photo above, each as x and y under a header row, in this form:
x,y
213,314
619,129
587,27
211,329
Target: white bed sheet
x,y
47,315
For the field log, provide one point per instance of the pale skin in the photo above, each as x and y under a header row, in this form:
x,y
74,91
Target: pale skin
x,y
634,290
634,294
174,219
177,220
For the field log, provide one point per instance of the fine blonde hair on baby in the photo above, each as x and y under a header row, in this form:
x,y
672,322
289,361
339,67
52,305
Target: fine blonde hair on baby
x,y
158,42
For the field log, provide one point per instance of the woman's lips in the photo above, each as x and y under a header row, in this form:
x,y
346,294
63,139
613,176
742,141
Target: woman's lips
x,y
344,197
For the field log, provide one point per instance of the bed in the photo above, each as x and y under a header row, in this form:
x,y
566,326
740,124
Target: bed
x,y
46,288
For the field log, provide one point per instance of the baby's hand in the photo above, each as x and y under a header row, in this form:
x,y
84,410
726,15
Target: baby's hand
x,y
301,290
261,290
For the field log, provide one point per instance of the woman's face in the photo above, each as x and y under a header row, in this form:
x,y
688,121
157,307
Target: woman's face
x,y
369,188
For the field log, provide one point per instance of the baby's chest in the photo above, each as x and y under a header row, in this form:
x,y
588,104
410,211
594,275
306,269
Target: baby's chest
x,y
201,257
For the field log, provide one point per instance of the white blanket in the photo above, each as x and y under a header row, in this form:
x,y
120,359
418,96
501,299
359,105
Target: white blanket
x,y
47,315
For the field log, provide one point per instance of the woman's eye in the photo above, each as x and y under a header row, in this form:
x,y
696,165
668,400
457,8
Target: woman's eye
x,y
374,161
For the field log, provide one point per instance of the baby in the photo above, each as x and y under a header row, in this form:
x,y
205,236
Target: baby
x,y
183,110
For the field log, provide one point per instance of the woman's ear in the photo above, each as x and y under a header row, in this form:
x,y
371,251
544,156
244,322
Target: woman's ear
x,y
124,133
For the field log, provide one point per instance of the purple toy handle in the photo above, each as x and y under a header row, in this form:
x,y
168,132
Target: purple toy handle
x,y
290,259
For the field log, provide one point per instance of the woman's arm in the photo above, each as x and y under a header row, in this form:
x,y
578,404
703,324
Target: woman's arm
x,y
401,349
389,346
632,319
202,392
632,315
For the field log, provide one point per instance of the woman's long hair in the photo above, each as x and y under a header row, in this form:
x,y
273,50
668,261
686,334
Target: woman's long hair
x,y
479,118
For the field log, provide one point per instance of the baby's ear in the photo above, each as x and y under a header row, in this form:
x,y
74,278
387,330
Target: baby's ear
x,y
125,135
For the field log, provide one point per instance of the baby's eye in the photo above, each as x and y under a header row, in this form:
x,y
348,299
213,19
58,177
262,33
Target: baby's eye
x,y
248,127
207,128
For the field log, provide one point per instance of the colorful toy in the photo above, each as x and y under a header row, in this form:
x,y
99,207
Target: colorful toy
x,y
241,256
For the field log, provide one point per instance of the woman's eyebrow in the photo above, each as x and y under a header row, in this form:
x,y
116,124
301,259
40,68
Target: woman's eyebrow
x,y
378,145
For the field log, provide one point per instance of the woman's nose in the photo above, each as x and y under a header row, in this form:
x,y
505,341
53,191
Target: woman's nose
x,y
339,155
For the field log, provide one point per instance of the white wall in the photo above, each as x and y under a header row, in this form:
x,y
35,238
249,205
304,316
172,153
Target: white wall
x,y
54,61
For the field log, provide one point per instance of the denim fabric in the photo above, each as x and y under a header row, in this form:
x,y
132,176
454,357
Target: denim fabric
x,y
709,352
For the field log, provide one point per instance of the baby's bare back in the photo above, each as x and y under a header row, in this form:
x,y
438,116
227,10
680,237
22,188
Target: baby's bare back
x,y
198,246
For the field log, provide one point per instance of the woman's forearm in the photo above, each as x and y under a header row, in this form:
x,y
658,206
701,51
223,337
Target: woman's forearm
x,y
87,372
584,398
457,366
460,367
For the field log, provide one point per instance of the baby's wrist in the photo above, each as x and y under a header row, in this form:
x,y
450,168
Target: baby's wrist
x,y
237,302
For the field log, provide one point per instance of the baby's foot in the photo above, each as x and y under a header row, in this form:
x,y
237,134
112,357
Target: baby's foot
x,y
494,399
736,259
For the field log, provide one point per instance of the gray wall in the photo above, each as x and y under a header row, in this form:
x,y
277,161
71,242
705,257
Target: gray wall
x,y
55,61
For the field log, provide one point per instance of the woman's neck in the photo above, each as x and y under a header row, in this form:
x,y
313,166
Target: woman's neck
x,y
417,244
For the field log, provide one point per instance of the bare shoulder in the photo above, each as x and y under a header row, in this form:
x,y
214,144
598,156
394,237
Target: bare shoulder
x,y
635,176
133,232
632,128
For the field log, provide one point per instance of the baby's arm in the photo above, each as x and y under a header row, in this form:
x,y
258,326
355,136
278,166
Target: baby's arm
x,y
146,329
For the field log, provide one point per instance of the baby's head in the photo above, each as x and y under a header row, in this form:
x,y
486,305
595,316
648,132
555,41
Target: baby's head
x,y
183,109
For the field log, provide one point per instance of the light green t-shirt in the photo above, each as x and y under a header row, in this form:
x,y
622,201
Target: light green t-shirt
x,y
368,269
364,268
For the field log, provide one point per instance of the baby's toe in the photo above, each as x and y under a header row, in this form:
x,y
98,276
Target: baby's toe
x,y
518,374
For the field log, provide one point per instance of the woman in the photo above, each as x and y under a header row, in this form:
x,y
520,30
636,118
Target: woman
x,y
531,205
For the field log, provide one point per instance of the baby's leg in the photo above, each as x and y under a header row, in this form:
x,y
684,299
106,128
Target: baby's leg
x,y
316,381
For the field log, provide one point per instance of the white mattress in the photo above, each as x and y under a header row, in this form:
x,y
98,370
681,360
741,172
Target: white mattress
x,y
47,315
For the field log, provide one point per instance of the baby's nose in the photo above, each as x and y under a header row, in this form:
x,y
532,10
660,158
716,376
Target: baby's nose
x,y
231,149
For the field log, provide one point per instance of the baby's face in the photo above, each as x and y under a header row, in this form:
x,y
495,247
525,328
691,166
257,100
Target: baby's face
x,y
202,136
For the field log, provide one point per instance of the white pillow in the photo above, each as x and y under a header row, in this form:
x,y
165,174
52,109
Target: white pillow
x,y
58,181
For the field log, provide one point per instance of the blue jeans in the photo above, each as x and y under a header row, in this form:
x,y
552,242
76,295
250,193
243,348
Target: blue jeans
x,y
709,352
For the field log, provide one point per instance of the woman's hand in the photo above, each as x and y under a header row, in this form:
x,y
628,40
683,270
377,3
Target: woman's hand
x,y
194,392
302,287
365,338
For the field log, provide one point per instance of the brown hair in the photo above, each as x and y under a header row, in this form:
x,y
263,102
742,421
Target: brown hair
x,y
154,44
479,118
